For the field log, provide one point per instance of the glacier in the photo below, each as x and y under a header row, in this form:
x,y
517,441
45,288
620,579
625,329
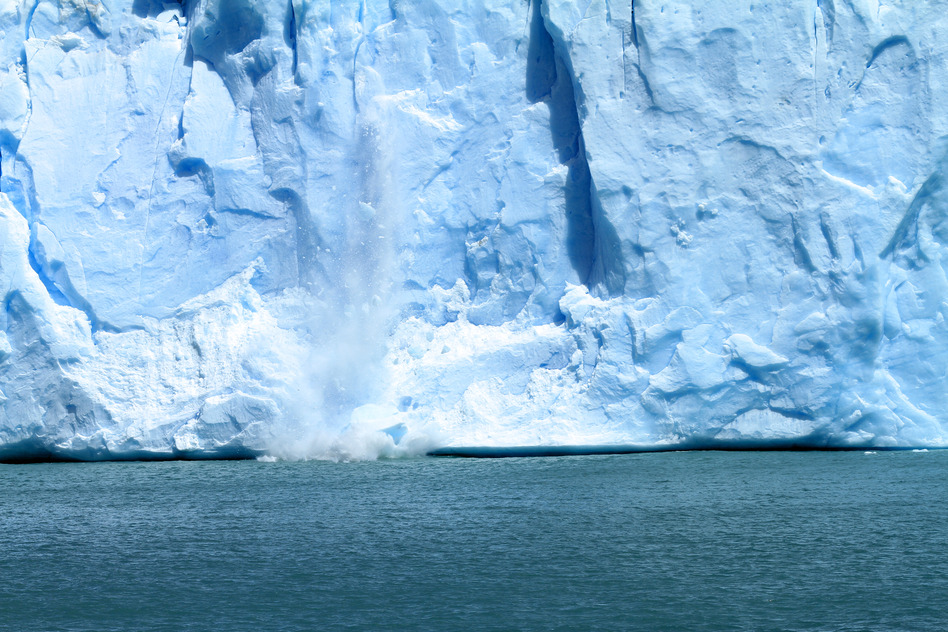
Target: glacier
x,y
360,228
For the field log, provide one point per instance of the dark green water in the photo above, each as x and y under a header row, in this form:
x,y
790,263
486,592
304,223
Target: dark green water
x,y
670,541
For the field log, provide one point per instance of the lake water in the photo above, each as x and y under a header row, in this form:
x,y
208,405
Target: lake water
x,y
667,541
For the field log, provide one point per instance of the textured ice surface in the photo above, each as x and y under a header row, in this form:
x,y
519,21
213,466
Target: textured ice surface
x,y
235,227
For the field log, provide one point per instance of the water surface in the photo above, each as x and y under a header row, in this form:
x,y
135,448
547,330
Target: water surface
x,y
664,541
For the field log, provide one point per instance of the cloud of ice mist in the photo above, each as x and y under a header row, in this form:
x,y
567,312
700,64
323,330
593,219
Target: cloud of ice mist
x,y
331,414
332,410
338,410
354,443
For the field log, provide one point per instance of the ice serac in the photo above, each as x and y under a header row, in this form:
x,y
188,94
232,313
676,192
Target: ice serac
x,y
350,229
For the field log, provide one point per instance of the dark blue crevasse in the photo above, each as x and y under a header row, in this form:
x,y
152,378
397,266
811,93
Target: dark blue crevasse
x,y
635,37
592,242
549,81
228,27
289,34
151,8
52,275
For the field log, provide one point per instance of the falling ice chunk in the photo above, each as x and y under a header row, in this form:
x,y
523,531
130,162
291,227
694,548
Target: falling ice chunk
x,y
366,211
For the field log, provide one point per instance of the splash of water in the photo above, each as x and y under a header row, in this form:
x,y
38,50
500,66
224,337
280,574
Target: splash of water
x,y
351,315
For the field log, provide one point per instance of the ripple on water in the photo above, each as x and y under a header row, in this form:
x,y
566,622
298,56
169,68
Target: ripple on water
x,y
669,541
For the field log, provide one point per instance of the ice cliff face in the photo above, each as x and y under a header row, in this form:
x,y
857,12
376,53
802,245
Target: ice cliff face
x,y
235,227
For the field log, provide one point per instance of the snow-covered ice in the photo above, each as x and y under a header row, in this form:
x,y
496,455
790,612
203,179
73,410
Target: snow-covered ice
x,y
348,229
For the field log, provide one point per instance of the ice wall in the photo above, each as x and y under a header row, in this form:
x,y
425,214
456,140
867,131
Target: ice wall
x,y
318,228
